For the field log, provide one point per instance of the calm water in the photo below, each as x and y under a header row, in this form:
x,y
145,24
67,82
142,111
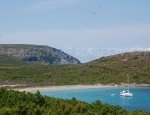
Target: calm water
x,y
140,100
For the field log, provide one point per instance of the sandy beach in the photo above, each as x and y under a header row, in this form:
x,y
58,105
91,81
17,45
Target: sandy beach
x,y
70,87
67,87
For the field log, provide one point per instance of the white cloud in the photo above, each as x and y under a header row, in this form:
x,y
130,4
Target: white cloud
x,y
48,5
80,36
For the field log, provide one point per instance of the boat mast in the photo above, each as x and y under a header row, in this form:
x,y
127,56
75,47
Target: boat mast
x,y
128,82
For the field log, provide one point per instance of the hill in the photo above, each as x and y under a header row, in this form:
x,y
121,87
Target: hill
x,y
35,53
106,70
136,64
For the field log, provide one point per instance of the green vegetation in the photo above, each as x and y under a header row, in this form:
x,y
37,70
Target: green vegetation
x,y
22,103
106,70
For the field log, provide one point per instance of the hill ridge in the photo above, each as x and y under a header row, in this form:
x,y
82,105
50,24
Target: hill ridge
x,y
37,53
106,70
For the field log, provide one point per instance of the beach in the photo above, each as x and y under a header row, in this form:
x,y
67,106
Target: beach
x,y
66,87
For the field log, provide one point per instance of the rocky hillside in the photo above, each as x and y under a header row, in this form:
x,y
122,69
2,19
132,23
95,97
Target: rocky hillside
x,y
106,70
37,53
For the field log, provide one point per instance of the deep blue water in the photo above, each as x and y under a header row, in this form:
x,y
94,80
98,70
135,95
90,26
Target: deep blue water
x,y
140,100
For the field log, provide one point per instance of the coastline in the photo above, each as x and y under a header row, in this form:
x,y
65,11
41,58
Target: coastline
x,y
65,87
73,87
21,87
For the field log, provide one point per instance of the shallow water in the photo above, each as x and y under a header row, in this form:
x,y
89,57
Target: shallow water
x,y
139,101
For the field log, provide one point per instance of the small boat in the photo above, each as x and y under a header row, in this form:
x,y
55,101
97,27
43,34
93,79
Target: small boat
x,y
126,93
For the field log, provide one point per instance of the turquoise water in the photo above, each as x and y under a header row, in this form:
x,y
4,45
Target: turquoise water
x,y
140,100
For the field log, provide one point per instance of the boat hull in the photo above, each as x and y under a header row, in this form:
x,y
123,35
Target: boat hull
x,y
126,94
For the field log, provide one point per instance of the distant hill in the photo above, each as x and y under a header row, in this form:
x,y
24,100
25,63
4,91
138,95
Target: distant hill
x,y
116,67
106,70
36,53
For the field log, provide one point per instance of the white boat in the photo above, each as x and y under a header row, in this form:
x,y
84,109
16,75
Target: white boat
x,y
126,93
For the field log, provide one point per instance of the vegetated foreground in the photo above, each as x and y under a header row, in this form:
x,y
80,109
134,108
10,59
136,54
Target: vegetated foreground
x,y
22,103
106,70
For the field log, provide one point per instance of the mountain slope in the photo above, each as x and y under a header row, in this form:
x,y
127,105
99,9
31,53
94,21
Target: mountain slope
x,y
106,70
36,53
136,64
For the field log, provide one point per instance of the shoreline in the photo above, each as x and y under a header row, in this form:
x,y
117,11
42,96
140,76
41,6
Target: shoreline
x,y
74,87
65,87
23,87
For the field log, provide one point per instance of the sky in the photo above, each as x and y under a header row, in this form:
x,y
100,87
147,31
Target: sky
x,y
85,29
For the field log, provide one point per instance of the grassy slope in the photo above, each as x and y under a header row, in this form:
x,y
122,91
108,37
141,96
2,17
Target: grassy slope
x,y
105,70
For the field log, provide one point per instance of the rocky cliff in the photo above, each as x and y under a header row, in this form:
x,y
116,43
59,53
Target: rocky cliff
x,y
37,53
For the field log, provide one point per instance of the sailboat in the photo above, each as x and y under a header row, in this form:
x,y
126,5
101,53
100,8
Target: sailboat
x,y
126,93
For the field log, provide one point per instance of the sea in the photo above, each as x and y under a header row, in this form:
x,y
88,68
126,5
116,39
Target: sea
x,y
110,95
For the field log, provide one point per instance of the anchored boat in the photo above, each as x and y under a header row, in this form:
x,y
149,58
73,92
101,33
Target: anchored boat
x,y
126,93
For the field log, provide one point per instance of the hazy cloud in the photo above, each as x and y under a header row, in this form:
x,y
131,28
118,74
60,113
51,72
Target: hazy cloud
x,y
64,37
86,44
88,54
